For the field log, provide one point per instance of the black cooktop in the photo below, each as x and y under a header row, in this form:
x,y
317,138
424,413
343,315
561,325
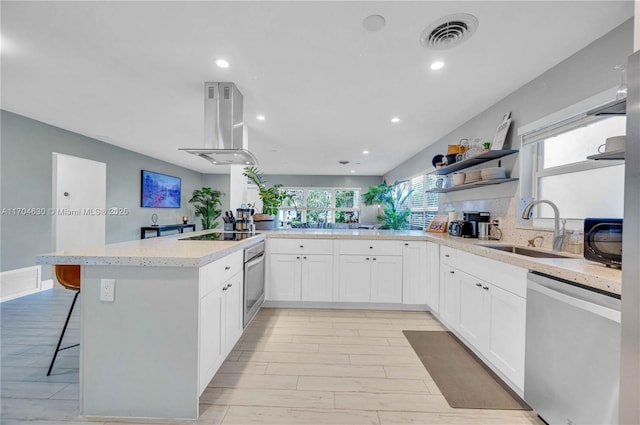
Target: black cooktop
x,y
221,236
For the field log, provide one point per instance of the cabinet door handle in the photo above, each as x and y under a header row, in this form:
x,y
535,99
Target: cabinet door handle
x,y
227,268
367,258
478,284
301,246
452,272
297,258
230,285
225,288
486,288
370,247
304,258
374,258
446,255
406,244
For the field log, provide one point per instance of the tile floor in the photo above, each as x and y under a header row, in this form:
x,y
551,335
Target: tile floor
x,y
291,366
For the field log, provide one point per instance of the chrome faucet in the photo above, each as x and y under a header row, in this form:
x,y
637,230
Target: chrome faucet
x,y
558,237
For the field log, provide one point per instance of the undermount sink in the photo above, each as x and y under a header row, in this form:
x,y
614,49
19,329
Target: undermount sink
x,y
527,251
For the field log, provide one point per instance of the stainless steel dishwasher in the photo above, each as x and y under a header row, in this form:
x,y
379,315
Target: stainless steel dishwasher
x,y
572,353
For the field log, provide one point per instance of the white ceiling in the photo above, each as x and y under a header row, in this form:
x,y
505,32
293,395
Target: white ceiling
x,y
132,73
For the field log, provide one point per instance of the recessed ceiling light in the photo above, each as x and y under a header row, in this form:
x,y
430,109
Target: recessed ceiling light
x,y
222,63
437,65
395,120
365,152
353,171
260,117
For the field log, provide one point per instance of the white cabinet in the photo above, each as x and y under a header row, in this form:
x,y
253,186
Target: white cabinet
x,y
483,301
355,278
449,296
386,279
317,278
473,325
415,286
370,271
300,270
506,314
433,276
220,314
285,273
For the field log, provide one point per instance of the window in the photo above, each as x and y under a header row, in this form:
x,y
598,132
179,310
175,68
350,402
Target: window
x,y
318,206
555,158
424,206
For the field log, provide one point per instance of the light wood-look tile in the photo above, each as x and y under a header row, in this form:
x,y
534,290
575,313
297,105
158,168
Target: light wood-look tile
x,y
302,369
340,340
374,359
291,366
276,357
238,415
239,380
411,402
249,368
407,372
282,347
365,349
368,385
276,398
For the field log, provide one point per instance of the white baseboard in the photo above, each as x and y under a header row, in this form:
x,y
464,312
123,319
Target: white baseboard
x,y
21,282
346,305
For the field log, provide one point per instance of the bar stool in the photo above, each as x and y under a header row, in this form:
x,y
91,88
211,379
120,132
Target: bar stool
x,y
69,277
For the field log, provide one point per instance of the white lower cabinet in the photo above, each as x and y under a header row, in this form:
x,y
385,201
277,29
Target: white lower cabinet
x,y
296,277
376,279
355,278
415,287
488,317
386,279
449,296
433,276
220,314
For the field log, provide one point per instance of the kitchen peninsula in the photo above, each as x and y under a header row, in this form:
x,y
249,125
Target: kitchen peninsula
x,y
153,350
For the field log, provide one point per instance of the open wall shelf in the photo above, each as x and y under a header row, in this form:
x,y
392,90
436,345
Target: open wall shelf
x,y
478,159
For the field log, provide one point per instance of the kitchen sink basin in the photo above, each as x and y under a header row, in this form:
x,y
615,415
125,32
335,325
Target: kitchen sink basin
x,y
527,251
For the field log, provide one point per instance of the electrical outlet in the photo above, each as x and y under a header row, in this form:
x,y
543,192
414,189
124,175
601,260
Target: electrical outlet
x,y
107,290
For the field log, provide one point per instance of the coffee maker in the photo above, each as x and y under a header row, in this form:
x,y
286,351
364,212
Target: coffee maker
x,y
475,217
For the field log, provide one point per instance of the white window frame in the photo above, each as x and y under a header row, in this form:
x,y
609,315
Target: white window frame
x,y
424,208
531,155
305,191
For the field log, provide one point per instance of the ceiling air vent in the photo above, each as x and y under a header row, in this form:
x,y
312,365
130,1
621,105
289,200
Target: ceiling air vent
x,y
449,31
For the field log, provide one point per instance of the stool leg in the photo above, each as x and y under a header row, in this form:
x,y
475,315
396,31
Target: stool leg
x,y
64,329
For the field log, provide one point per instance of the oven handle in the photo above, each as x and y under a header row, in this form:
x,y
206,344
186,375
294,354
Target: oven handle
x,y
255,260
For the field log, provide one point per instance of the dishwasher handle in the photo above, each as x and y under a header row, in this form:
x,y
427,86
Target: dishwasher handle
x,y
575,299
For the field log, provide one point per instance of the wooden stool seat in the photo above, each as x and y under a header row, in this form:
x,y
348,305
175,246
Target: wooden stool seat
x,y
69,276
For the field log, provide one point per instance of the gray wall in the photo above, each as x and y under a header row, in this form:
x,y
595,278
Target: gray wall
x,y
584,74
219,182
26,161
367,214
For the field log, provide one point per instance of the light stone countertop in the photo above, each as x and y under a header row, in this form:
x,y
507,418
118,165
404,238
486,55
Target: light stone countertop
x,y
168,251
575,269
165,251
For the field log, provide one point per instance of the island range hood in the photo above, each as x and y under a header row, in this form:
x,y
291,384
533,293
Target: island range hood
x,y
223,127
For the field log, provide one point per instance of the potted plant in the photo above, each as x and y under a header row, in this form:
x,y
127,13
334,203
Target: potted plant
x,y
205,201
393,199
271,197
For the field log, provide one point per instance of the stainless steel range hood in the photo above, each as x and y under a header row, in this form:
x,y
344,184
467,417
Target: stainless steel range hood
x,y
223,127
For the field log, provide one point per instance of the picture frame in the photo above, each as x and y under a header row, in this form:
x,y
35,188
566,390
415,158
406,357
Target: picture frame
x,y
501,132
438,224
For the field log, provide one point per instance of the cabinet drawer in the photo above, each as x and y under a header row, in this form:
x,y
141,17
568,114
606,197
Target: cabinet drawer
x,y
506,276
216,273
448,255
370,247
300,246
